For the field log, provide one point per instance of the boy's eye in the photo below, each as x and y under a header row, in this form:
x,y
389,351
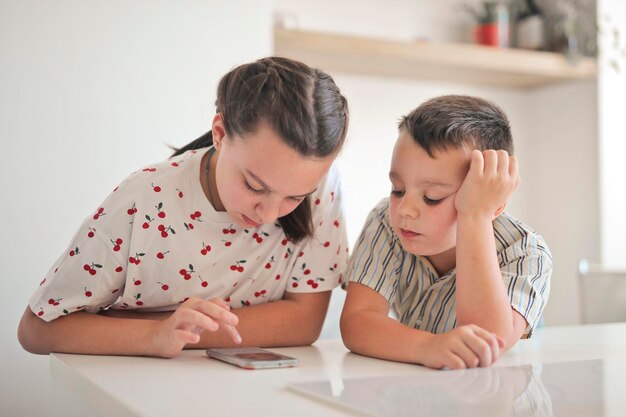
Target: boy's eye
x,y
254,190
430,201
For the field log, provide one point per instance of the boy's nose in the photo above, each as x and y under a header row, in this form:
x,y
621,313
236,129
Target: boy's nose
x,y
407,208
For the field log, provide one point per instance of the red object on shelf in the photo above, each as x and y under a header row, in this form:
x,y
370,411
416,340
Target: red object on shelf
x,y
492,34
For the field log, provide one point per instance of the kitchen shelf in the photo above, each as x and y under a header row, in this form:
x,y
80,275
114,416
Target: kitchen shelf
x,y
465,63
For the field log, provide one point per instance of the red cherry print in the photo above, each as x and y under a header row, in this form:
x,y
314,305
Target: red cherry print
x,y
161,255
92,233
136,281
245,303
87,293
204,283
149,169
40,313
256,294
225,231
131,210
295,285
336,223
326,244
137,297
74,251
232,231
92,272
310,282
119,269
51,301
156,188
187,274
315,285
317,201
139,303
161,228
284,242
180,193
277,277
99,213
205,249
332,196
164,287
160,214
227,299
238,265
164,230
268,265
86,267
174,164
300,254
227,243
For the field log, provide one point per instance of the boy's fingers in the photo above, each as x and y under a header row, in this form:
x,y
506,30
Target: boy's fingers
x,y
477,164
491,161
503,162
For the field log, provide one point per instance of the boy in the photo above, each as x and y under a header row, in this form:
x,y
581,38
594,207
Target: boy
x,y
465,279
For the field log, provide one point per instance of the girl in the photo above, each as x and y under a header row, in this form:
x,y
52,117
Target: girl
x,y
247,217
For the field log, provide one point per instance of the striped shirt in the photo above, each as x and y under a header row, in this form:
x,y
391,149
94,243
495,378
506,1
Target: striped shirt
x,y
422,299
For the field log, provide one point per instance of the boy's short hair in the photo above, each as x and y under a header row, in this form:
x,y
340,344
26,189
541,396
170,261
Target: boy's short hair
x,y
453,121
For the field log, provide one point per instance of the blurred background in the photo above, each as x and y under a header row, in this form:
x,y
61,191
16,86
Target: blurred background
x,y
90,91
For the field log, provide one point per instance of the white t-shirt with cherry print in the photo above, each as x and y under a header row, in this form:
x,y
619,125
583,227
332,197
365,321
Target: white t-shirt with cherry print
x,y
156,241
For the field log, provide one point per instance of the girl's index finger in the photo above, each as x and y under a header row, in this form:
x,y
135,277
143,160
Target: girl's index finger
x,y
218,312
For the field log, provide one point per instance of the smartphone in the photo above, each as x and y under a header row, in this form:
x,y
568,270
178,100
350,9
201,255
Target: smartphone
x,y
252,358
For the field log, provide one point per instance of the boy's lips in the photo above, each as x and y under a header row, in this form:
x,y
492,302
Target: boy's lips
x,y
407,234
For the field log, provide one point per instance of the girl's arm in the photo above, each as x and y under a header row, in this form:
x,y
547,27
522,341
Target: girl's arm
x,y
296,320
367,329
90,333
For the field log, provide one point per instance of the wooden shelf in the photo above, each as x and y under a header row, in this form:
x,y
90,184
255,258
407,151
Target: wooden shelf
x,y
464,63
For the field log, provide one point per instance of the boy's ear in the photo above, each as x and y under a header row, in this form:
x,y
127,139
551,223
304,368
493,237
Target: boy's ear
x,y
499,210
217,130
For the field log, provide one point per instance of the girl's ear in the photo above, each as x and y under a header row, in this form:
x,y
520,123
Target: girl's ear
x,y
217,130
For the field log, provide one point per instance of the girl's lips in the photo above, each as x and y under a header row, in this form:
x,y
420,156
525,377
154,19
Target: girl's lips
x,y
249,221
407,234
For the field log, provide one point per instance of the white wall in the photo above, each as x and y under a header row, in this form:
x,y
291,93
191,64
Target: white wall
x,y
555,131
91,91
612,85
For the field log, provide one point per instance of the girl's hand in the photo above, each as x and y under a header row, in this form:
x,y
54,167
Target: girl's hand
x,y
491,180
466,346
186,324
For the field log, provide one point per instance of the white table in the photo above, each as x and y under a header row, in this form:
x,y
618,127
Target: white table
x,y
194,385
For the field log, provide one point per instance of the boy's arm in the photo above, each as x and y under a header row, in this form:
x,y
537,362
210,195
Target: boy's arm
x,y
481,297
367,329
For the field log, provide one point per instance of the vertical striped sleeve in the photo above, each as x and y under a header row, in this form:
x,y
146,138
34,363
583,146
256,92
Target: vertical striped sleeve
x,y
377,254
526,267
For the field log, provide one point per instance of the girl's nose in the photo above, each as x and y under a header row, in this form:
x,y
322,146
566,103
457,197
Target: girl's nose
x,y
268,210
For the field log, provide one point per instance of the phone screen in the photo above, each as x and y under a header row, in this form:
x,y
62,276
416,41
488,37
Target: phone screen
x,y
252,358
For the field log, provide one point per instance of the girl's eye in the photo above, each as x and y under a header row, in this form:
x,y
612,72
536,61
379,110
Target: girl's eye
x,y
254,190
431,202
397,193
297,199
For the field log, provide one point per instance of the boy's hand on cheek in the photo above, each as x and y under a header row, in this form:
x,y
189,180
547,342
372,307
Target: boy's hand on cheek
x,y
489,183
